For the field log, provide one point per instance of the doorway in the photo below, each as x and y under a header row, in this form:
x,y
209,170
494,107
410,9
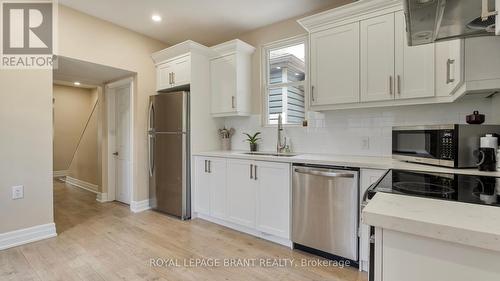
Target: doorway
x,y
120,140
112,124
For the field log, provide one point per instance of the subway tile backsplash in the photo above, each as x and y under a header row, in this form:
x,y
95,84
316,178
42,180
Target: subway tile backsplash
x,y
345,132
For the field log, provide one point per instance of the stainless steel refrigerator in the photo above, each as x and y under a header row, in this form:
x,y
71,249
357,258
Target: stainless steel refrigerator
x,y
169,155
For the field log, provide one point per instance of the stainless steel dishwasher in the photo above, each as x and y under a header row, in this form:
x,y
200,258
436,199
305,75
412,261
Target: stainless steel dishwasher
x,y
325,208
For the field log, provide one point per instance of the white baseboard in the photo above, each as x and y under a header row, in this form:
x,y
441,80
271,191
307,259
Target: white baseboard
x,y
139,206
60,174
27,235
83,184
102,197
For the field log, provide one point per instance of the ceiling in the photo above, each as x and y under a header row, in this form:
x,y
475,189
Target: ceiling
x,y
88,74
206,21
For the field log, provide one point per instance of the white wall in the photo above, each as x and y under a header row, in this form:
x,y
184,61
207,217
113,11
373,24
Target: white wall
x,y
342,132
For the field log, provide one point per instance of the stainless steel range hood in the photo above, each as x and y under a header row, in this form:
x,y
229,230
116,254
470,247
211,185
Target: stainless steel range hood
x,y
435,20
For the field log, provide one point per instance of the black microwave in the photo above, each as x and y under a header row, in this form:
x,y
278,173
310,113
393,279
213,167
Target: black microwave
x,y
451,146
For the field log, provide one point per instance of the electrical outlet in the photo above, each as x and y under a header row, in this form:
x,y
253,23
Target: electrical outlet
x,y
365,143
17,192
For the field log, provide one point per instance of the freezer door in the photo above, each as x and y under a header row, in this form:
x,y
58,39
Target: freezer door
x,y
169,112
169,180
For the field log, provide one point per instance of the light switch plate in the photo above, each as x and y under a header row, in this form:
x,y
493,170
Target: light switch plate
x,y
17,192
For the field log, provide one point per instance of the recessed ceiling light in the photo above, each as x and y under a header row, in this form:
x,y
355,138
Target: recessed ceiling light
x,y
76,83
279,67
156,18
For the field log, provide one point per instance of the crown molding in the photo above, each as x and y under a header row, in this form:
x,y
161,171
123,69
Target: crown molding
x,y
352,11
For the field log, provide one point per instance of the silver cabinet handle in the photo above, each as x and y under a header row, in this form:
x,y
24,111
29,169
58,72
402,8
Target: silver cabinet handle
x,y
312,93
206,170
255,172
232,102
399,84
115,153
251,171
449,80
323,173
209,166
173,77
390,85
170,78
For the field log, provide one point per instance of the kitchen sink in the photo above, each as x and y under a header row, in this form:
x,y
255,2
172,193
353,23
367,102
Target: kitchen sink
x,y
271,154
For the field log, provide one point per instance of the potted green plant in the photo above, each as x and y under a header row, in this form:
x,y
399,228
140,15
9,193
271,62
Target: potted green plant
x,y
252,140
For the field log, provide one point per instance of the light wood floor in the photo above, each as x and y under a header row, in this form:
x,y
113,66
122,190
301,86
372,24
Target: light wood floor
x,y
107,242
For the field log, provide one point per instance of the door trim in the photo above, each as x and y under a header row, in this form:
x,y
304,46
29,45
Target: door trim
x,y
110,119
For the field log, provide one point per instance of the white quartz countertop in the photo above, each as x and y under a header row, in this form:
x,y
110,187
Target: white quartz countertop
x,y
368,162
463,223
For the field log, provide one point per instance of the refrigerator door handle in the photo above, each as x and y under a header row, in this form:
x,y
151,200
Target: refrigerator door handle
x,y
150,138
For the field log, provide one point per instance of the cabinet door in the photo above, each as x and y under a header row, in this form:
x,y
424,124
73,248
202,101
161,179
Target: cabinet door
x,y
335,65
273,198
217,174
201,186
223,84
163,76
182,71
482,59
377,58
367,178
449,67
241,191
414,65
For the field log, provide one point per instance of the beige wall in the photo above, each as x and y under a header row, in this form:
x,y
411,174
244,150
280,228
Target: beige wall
x,y
84,165
25,148
90,39
72,109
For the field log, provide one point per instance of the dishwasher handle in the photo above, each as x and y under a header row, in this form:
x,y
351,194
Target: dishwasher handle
x,y
323,173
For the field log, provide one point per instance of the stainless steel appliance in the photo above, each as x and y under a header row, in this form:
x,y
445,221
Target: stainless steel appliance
x,y
441,145
468,189
433,20
325,209
168,144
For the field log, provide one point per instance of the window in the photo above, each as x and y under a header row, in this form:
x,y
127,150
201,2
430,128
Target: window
x,y
285,81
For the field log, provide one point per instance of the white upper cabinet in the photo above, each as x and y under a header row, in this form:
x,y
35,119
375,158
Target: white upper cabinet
x,y
335,65
377,58
482,60
223,84
414,66
230,79
174,73
449,67
181,74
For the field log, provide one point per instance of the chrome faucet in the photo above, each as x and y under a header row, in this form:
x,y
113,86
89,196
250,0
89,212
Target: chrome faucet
x,y
281,145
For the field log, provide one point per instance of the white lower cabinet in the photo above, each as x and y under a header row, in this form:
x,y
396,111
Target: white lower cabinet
x,y
242,192
367,178
217,181
249,196
273,198
201,187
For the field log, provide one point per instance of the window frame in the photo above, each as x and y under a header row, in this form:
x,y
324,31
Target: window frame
x,y
265,51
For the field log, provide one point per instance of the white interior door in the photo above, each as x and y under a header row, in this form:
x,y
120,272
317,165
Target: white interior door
x,y
121,154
